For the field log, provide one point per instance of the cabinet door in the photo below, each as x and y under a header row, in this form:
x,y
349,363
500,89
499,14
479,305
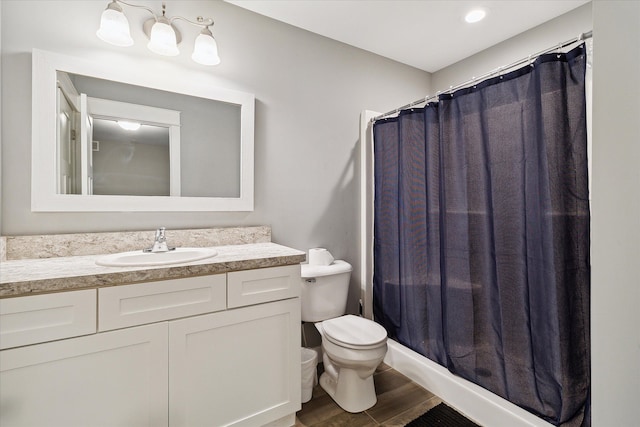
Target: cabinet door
x,y
112,379
239,367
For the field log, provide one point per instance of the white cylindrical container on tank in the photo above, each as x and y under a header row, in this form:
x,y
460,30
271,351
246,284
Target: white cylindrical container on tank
x,y
320,256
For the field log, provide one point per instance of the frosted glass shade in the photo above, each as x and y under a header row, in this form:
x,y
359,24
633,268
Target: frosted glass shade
x,y
205,50
114,28
163,39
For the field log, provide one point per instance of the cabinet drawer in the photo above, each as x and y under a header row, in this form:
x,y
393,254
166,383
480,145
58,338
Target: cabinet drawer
x,y
130,305
40,318
267,284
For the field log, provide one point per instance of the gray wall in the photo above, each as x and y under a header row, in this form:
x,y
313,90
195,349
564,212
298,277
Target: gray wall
x,y
131,168
615,196
1,103
615,208
309,94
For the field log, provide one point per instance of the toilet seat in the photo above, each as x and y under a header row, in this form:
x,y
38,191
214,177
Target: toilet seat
x,y
354,332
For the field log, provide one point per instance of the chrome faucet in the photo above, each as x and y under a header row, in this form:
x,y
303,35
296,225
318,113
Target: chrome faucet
x,y
160,242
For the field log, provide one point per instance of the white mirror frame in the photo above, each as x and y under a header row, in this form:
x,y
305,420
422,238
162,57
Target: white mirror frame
x,y
44,197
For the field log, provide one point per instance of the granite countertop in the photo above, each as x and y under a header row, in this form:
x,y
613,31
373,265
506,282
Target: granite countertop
x,y
34,276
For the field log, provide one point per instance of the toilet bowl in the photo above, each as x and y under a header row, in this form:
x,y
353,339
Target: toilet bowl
x,y
353,346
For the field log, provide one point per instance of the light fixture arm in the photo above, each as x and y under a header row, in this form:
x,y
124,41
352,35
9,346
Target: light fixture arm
x,y
141,7
199,22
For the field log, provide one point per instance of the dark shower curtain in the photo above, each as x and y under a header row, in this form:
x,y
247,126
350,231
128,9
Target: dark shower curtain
x,y
481,235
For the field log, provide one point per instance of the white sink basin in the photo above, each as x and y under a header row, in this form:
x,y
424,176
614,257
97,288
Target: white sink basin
x,y
141,259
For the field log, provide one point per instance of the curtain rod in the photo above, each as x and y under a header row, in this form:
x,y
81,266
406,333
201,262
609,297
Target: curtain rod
x,y
428,98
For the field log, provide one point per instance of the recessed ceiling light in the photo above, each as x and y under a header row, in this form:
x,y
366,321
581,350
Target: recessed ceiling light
x,y
475,15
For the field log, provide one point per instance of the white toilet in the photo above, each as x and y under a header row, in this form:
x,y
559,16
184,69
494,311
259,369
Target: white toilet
x,y
353,346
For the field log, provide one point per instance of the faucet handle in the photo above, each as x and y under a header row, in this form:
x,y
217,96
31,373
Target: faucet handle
x,y
160,236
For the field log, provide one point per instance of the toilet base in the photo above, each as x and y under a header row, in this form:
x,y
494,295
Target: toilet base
x,y
350,392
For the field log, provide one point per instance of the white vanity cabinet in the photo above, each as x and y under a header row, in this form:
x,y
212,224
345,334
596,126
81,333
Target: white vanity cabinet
x,y
169,353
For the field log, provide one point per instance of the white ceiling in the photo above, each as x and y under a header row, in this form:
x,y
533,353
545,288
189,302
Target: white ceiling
x,y
426,34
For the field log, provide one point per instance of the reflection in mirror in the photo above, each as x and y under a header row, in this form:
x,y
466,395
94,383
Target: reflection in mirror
x,y
210,131
131,160
192,150
68,159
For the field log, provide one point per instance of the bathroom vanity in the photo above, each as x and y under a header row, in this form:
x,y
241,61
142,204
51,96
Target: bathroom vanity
x,y
215,342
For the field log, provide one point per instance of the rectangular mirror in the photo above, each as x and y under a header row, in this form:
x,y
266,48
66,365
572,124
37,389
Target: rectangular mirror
x,y
104,142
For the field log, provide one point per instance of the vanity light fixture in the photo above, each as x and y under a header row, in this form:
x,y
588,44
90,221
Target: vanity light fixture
x,y
475,15
163,36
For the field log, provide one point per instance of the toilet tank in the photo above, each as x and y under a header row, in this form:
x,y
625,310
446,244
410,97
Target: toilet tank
x,y
324,290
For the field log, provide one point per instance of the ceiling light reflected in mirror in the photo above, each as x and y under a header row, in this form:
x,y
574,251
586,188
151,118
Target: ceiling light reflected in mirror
x,y
128,125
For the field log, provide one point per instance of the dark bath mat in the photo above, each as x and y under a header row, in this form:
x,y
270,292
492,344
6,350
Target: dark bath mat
x,y
441,416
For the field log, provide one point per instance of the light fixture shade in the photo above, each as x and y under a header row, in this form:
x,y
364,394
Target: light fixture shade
x,y
163,39
205,50
114,26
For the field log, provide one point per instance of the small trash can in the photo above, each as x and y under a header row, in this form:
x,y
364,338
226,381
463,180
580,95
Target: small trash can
x,y
309,359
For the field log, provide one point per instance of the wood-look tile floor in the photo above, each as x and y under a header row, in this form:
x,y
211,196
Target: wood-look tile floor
x,y
400,400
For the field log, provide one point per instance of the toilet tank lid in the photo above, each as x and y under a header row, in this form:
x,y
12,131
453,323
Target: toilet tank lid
x,y
336,267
